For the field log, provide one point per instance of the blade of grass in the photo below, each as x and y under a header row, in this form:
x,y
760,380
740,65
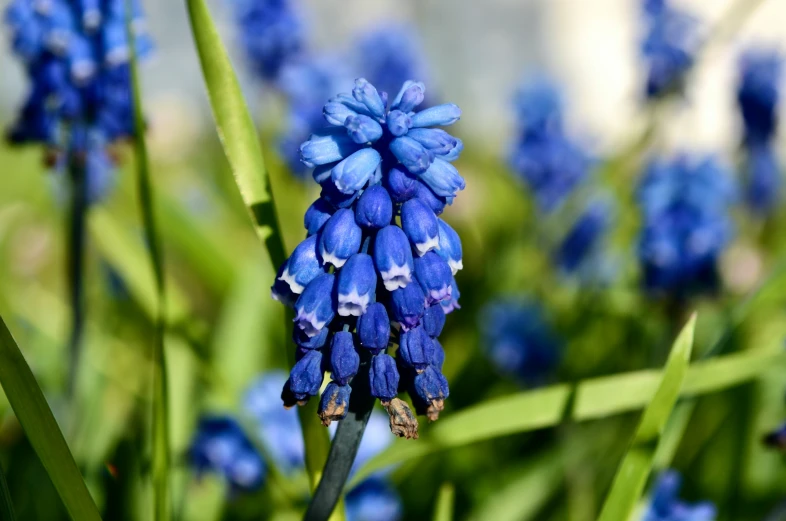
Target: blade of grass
x,y
42,431
628,484
244,152
6,507
443,510
531,410
160,427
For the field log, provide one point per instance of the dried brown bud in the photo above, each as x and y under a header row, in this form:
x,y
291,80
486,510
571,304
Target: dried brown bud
x,y
402,422
434,408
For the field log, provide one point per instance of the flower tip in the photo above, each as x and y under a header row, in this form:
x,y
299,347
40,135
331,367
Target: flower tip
x,y
402,422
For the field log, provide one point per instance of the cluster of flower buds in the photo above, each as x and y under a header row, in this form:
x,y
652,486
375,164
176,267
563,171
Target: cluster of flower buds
x,y
376,253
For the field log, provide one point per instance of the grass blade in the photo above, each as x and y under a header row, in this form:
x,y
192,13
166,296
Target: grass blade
x,y
6,507
595,398
160,455
42,431
444,508
236,130
632,474
244,152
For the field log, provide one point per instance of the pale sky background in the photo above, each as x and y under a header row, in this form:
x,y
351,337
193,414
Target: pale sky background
x,y
478,52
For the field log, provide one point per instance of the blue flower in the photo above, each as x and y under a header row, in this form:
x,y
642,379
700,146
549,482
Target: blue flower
x,y
665,504
685,203
584,237
79,102
669,47
373,500
379,163
518,341
221,446
758,96
271,33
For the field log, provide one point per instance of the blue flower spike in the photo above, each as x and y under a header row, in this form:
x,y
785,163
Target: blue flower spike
x,y
379,162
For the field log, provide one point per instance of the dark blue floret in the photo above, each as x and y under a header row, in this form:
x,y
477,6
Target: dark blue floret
x,y
379,164
665,504
669,47
584,237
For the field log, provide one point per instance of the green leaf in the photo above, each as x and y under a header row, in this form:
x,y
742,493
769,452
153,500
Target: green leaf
x,y
161,454
6,507
236,129
628,484
595,398
42,431
443,511
244,152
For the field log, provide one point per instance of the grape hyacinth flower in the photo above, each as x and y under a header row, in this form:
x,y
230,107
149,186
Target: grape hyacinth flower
x,y
76,55
669,47
685,204
758,95
385,174
221,446
665,504
518,340
271,33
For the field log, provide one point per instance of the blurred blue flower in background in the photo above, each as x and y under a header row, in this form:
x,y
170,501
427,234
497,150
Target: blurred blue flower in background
x,y
79,101
685,204
669,47
583,241
373,500
551,164
378,159
389,55
272,33
758,95
518,340
221,446
665,504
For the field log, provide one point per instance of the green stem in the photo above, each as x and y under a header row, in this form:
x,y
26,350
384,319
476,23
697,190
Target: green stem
x,y
76,268
6,507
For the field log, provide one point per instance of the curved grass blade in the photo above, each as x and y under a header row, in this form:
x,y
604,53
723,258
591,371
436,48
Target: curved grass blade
x,y
42,431
444,507
244,152
160,455
595,398
628,484
6,507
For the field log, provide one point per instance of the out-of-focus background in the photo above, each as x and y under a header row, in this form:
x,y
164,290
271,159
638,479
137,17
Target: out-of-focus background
x,y
550,291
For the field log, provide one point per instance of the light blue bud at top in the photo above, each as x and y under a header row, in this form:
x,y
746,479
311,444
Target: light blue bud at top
x,y
448,305
353,173
322,172
416,348
383,378
281,291
437,140
363,129
317,215
400,184
335,197
408,305
315,307
399,122
411,95
434,320
303,265
454,152
434,276
353,104
443,178
450,246
374,209
438,359
374,328
305,378
300,338
325,148
344,360
393,257
340,238
420,225
414,156
440,115
432,200
334,404
336,113
357,285
367,94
